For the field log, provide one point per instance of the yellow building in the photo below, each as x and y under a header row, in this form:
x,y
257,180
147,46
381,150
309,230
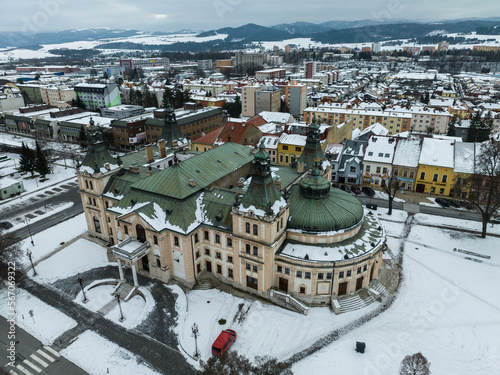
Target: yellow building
x,y
436,167
290,146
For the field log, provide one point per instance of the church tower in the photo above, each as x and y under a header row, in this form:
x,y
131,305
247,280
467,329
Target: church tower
x,y
171,132
313,153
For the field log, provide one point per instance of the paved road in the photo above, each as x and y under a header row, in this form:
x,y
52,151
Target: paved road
x,y
36,204
154,340
32,357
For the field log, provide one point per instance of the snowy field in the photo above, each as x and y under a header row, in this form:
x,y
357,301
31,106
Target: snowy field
x,y
98,356
262,329
47,322
446,309
46,242
82,255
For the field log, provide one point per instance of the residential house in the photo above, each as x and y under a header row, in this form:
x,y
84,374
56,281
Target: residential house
x,y
377,160
435,166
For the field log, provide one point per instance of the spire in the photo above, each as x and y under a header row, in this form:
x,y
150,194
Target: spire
x,y
312,151
171,131
97,155
262,193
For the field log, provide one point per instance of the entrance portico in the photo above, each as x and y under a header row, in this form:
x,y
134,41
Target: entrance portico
x,y
129,252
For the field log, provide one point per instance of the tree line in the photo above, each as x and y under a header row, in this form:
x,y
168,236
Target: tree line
x,y
34,161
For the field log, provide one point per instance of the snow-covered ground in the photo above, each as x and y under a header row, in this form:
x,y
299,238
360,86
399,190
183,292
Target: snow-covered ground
x,y
47,322
446,308
383,195
49,210
51,239
431,203
99,356
262,330
82,255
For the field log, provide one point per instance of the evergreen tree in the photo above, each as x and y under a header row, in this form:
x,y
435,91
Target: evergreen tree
x,y
480,127
451,127
168,97
147,100
82,138
27,160
131,96
42,165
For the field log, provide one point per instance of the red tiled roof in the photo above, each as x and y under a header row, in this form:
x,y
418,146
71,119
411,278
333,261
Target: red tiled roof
x,y
237,130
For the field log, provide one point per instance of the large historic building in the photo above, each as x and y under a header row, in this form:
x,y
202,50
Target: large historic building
x,y
262,228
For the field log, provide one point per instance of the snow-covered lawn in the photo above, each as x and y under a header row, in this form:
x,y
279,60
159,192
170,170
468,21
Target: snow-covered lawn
x,y
447,309
397,215
50,239
455,223
383,195
263,330
80,256
98,356
47,322
134,310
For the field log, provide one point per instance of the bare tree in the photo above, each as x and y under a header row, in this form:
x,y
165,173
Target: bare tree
x,y
391,186
415,364
484,184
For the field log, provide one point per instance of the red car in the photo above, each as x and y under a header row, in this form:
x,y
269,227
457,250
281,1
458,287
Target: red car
x,y
223,342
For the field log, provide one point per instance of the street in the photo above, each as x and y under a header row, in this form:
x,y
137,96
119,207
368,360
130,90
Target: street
x,y
32,357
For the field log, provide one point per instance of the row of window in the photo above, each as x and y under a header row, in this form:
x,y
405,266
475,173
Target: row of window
x,y
297,148
435,177
88,185
321,275
206,236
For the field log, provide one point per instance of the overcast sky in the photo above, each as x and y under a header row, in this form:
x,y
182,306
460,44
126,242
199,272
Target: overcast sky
x,y
171,15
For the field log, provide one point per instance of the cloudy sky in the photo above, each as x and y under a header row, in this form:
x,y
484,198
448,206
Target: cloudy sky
x,y
172,15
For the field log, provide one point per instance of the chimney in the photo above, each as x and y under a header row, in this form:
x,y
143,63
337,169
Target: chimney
x,y
192,183
149,153
161,146
107,166
241,181
277,182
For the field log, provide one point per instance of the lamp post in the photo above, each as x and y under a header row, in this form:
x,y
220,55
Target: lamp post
x,y
80,281
195,335
31,261
29,231
122,318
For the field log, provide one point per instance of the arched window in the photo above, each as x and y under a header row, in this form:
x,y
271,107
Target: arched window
x,y
97,225
141,233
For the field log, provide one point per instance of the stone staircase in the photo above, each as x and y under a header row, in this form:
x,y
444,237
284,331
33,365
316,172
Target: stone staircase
x,y
361,298
124,290
207,281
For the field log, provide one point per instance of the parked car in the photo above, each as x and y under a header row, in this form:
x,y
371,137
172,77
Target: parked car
x,y
355,189
454,203
223,342
5,225
443,202
368,191
495,220
345,188
467,205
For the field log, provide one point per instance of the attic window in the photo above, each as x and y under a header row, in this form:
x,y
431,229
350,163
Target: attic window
x,y
386,155
370,153
380,154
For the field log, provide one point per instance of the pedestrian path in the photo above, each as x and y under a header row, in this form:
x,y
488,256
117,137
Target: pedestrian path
x,y
36,362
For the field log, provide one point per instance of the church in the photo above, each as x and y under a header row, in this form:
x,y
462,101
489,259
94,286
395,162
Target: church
x,y
276,231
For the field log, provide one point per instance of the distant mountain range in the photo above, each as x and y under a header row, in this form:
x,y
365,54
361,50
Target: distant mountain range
x,y
361,31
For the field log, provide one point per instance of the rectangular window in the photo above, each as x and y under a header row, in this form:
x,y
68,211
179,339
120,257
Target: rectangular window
x,y
217,238
247,266
255,269
285,147
218,255
198,254
229,242
256,251
287,271
435,177
207,252
308,275
441,191
368,168
125,229
176,241
320,276
445,178
219,269
298,149
341,274
378,170
422,175
349,273
255,229
358,271
329,275
247,227
352,168
299,274
196,238
155,240
279,269
365,267
384,170
229,259
230,273
302,290
380,154
247,248
206,235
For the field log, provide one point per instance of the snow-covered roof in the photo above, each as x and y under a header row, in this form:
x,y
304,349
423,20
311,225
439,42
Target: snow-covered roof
x,y
437,152
279,117
293,139
377,129
407,153
270,141
464,157
380,149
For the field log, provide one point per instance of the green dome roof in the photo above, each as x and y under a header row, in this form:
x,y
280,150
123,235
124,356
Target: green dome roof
x,y
314,186
337,210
